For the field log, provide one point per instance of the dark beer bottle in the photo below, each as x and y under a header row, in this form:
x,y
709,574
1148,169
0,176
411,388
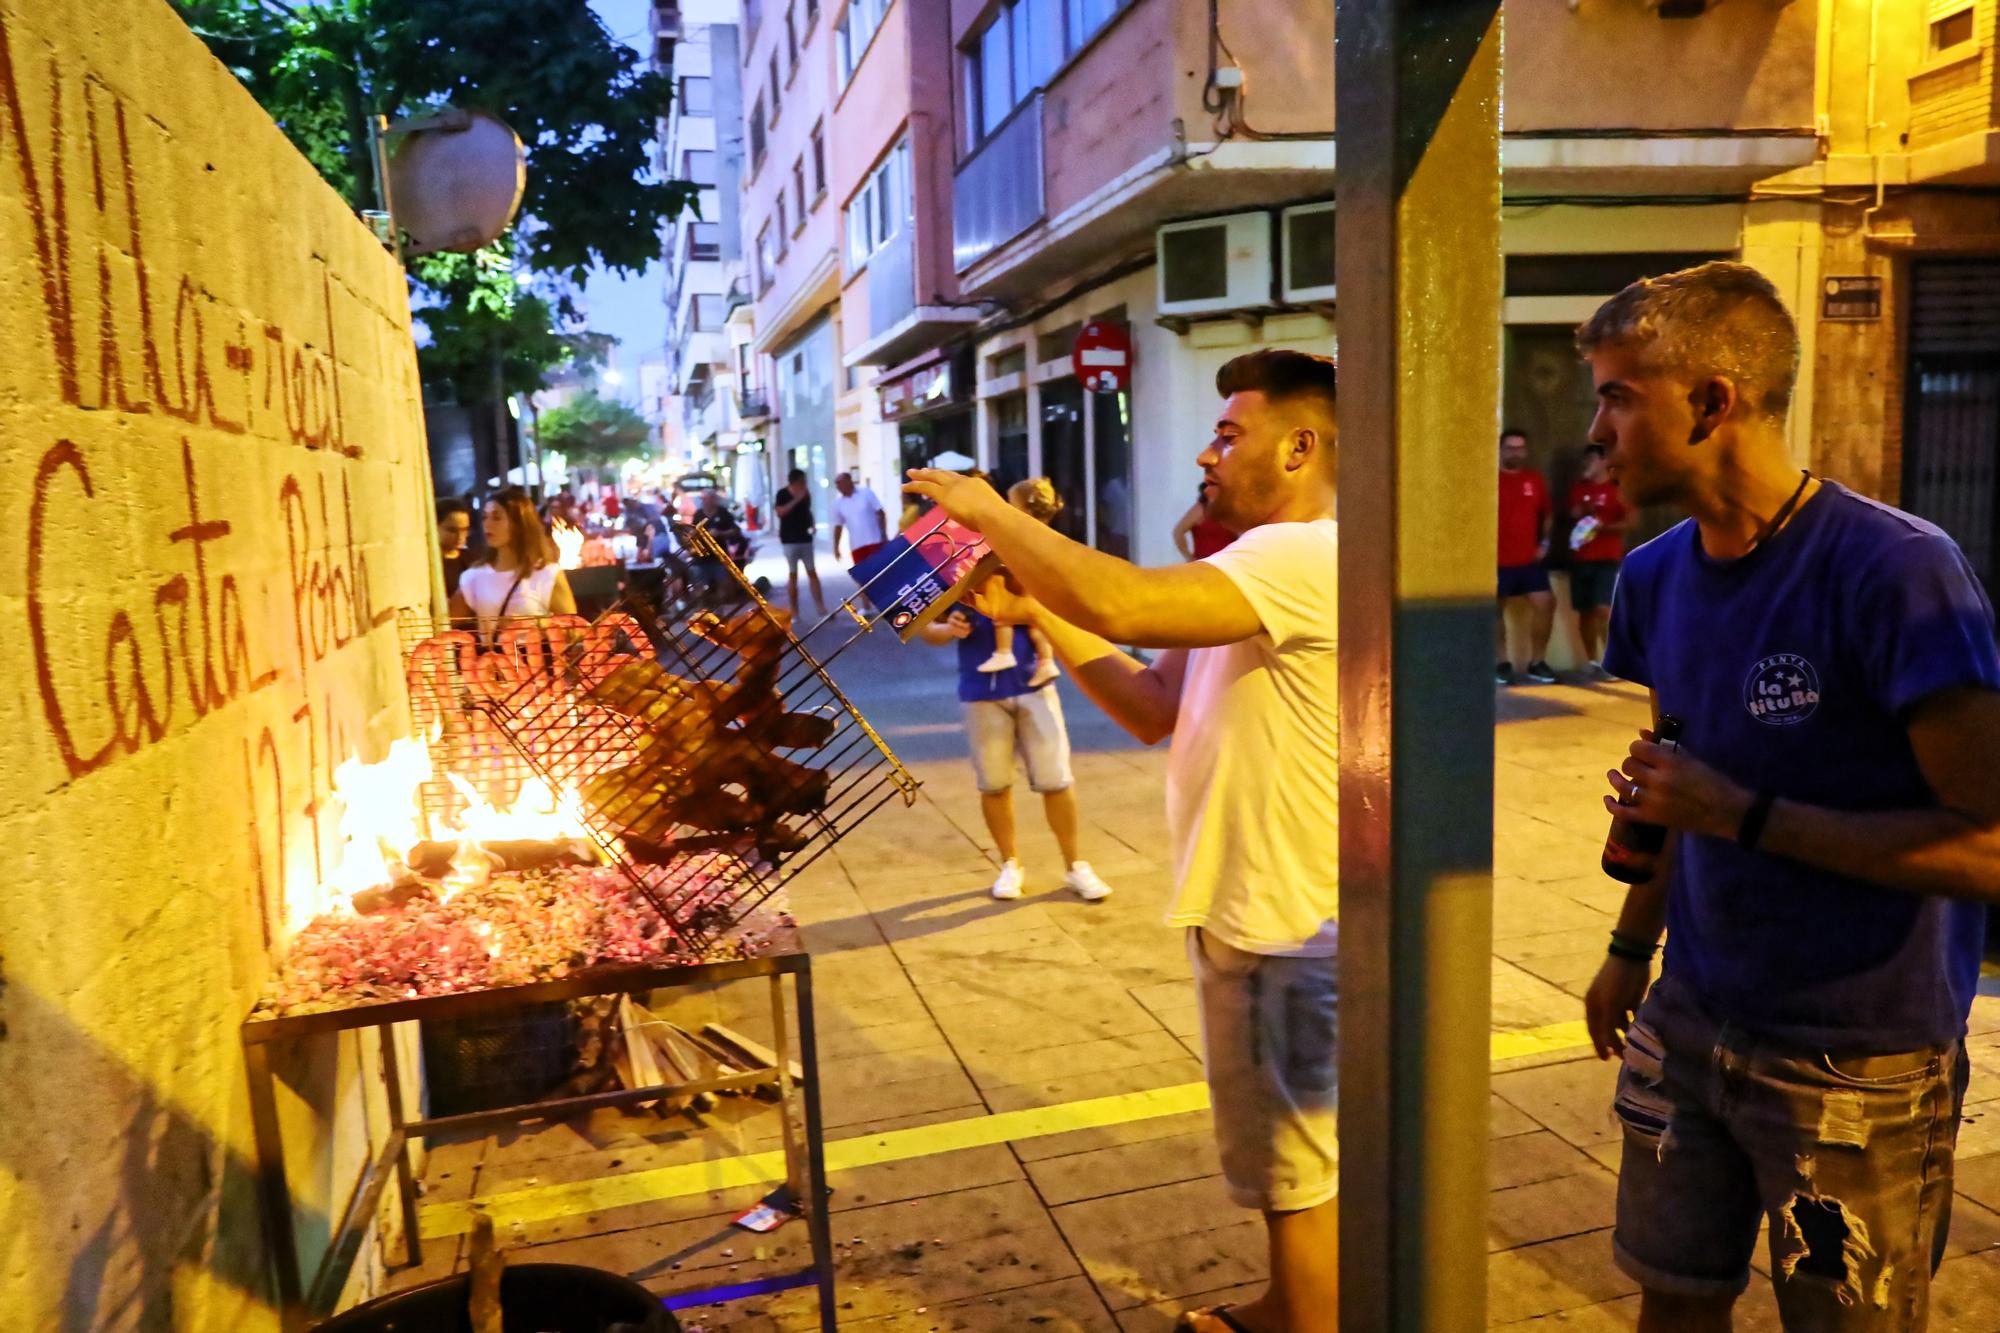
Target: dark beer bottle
x,y
1632,847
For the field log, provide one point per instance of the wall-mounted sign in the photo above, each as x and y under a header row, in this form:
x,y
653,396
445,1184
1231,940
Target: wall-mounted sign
x,y
1857,298
1102,357
941,383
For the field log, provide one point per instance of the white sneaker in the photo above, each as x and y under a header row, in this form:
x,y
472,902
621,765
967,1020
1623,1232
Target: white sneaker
x,y
1000,662
1045,671
1084,883
1008,886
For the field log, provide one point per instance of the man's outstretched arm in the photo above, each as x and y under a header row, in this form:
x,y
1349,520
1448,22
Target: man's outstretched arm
x,y
1183,606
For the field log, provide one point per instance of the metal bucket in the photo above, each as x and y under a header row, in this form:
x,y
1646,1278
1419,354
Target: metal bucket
x,y
534,1298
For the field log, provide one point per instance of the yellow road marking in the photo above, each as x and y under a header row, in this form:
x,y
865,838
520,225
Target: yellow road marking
x,y
1540,1041
545,1203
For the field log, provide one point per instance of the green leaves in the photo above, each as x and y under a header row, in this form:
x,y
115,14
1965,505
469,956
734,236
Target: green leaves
x,y
594,431
585,105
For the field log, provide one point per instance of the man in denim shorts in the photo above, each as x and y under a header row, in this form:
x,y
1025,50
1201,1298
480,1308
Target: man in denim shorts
x,y
1248,689
1836,808
1006,717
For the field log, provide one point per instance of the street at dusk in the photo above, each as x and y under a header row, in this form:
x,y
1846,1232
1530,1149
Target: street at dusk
x,y
780,666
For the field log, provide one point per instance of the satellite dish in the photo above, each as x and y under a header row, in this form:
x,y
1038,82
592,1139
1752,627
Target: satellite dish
x,y
455,180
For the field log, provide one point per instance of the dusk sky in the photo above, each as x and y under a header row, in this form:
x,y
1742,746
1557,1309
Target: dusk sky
x,y
631,309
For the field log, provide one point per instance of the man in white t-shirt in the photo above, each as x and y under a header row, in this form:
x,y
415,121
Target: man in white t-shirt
x,y
857,513
1249,693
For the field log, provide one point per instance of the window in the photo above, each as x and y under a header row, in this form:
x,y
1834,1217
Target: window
x,y
753,14
1020,51
704,241
698,165
880,208
799,192
791,42
697,96
1951,30
853,33
774,86
819,160
783,230
767,259
812,13
757,135
709,310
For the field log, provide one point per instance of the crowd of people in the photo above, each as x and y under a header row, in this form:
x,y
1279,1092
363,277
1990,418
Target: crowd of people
x,y
1825,693
1826,698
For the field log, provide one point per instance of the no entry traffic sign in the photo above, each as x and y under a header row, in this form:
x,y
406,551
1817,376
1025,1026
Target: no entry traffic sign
x,y
1102,357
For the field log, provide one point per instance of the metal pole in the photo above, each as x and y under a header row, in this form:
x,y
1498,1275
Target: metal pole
x,y
1417,86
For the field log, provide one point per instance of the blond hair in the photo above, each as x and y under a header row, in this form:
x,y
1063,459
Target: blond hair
x,y
1036,497
1716,319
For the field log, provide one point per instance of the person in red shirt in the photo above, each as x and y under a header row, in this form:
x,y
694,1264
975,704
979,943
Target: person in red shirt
x,y
1598,539
1525,520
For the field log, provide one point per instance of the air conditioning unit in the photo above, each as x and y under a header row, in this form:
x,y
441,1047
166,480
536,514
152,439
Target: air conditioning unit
x,y
1215,264
1307,232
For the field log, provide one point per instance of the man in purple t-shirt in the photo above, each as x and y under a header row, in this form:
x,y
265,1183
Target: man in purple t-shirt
x,y
1005,717
1836,818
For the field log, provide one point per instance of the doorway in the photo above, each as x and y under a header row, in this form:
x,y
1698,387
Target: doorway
x,y
1951,413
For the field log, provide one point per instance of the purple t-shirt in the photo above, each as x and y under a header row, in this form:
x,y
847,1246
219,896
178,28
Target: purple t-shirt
x,y
974,685
1796,668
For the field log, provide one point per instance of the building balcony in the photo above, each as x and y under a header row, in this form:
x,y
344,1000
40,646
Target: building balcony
x,y
998,192
753,407
894,326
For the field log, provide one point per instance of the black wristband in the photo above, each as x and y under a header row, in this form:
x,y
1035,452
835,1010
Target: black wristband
x,y
1754,820
1632,950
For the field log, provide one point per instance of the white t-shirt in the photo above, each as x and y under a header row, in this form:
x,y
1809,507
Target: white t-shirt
x,y
860,516
1253,779
485,589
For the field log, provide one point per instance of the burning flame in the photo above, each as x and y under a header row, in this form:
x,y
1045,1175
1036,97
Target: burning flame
x,y
381,823
569,544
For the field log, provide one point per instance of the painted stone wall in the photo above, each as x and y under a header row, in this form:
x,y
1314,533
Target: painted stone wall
x,y
212,500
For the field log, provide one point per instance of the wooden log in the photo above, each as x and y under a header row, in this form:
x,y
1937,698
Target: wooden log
x,y
759,1055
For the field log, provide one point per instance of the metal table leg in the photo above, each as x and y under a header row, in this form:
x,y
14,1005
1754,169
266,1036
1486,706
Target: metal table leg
x,y
815,1200
274,1193
406,1185
782,1042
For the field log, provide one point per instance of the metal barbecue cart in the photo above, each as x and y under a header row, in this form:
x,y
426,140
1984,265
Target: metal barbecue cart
x,y
669,725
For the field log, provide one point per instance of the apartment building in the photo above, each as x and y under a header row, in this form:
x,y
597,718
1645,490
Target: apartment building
x,y
787,334
696,43
1005,171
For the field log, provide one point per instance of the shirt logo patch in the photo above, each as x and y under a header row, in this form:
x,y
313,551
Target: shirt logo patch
x,y
1783,690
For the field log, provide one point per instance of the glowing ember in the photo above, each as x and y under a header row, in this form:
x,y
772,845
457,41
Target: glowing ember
x,y
512,928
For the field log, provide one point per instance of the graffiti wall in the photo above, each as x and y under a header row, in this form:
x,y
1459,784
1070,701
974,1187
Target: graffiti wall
x,y
212,504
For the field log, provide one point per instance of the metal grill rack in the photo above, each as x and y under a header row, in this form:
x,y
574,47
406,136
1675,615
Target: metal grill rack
x,y
715,756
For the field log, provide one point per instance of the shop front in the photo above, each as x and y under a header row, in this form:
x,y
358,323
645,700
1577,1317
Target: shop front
x,y
929,404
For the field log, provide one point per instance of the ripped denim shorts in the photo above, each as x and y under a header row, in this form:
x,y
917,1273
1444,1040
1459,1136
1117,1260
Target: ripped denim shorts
x,y
1849,1156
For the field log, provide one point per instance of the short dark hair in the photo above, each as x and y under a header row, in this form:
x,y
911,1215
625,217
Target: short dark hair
x,y
1514,430
449,505
1281,374
796,474
1718,318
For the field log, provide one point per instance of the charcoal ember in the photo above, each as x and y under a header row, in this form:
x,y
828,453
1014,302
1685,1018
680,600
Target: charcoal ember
x,y
520,926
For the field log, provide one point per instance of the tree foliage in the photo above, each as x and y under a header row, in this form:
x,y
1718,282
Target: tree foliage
x,y
584,104
591,431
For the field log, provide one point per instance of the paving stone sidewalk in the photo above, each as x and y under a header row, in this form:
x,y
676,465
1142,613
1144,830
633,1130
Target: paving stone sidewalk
x,y
937,1004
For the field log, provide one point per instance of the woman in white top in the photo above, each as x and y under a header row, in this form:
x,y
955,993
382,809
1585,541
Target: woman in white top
x,y
520,576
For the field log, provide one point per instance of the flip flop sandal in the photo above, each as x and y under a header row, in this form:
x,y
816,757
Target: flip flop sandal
x,y
1220,1312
